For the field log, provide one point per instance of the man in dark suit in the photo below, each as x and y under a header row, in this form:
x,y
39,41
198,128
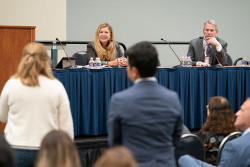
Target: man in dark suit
x,y
210,45
146,118
236,152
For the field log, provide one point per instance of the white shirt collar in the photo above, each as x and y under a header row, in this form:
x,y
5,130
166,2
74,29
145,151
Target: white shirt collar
x,y
246,131
146,79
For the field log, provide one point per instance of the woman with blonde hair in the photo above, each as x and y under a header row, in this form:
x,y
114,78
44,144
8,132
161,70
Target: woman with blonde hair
x,y
33,103
118,156
219,123
57,150
105,47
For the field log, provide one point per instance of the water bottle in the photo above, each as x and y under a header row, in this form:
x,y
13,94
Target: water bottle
x,y
244,62
185,62
189,62
207,59
182,61
91,62
54,54
98,63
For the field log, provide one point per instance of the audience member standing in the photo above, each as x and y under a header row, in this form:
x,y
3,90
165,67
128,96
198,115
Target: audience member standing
x,y
118,156
236,152
105,47
33,103
219,123
199,48
57,150
145,118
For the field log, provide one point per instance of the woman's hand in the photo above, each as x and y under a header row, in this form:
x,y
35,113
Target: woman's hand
x,y
123,61
113,63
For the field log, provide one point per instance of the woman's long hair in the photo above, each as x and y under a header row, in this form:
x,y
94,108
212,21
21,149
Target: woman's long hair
x,y
108,53
57,150
35,62
118,156
220,118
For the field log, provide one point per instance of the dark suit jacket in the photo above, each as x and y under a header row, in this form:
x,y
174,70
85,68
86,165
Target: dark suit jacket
x,y
236,153
196,52
91,52
146,118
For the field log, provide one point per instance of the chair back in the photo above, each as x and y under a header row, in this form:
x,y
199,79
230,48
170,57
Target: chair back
x,y
229,59
229,137
238,59
81,58
190,144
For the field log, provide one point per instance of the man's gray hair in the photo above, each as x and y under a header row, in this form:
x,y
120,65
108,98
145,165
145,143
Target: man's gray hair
x,y
213,22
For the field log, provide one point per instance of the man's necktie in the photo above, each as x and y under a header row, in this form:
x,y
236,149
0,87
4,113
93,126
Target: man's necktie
x,y
208,50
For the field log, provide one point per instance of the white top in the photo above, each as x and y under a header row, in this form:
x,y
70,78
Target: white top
x,y
31,112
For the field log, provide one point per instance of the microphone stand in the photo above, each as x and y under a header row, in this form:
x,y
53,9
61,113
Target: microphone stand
x,y
71,66
180,65
215,55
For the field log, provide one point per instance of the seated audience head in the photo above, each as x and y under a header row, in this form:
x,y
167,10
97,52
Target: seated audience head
x,y
35,62
117,156
142,60
57,150
6,154
243,116
220,117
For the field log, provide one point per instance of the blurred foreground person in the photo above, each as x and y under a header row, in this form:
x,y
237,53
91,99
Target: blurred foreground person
x,y
219,123
145,118
118,156
57,150
236,152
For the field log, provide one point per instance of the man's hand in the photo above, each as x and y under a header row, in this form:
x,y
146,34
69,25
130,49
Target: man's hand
x,y
212,40
203,64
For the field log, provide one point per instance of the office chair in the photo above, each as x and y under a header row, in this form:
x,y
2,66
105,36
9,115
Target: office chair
x,y
229,59
190,144
229,137
81,58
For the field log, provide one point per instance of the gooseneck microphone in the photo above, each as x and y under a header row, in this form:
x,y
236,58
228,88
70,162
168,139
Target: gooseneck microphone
x,y
173,51
71,66
215,55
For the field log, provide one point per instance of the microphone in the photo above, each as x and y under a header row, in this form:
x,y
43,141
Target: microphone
x,y
173,51
118,65
215,55
71,66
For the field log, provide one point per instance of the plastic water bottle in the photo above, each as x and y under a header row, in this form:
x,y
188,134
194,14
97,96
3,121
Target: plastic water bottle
x,y
54,54
91,62
244,62
189,62
98,63
207,59
182,61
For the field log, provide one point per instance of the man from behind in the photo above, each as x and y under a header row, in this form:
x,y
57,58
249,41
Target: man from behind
x,y
236,153
146,118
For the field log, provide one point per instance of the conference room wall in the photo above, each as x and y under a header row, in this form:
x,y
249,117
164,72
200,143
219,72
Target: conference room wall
x,y
182,20
49,17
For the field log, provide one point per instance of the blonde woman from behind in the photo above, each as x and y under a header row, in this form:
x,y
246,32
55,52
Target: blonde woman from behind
x,y
32,103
